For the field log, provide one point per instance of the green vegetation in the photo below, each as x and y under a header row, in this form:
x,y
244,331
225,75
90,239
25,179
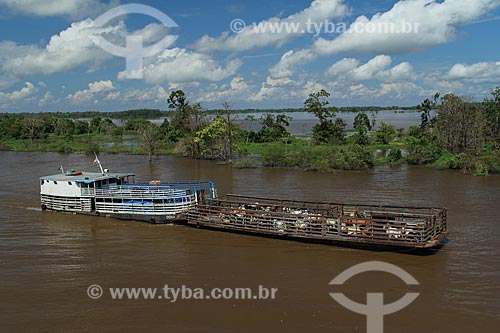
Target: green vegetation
x,y
362,125
461,135
320,158
274,128
246,163
330,129
454,133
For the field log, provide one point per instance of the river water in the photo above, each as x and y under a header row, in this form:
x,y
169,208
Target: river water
x,y
302,122
47,260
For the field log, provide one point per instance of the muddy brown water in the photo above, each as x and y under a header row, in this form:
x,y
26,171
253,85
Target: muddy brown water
x,y
47,260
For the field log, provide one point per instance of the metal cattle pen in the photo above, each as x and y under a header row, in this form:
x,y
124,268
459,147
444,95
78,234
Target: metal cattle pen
x,y
364,225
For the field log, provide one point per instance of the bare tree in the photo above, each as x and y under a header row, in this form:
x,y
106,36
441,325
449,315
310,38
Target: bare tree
x,y
460,124
149,135
229,131
33,125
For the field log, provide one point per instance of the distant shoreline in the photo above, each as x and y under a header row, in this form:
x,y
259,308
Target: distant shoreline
x,y
157,113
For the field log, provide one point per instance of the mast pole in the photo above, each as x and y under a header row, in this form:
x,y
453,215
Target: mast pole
x,y
98,163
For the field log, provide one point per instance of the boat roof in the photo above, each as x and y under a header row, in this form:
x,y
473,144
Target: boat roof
x,y
86,176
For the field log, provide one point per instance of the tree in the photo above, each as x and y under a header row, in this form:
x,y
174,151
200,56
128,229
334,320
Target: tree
x,y
62,127
329,129
250,119
229,132
186,120
95,124
425,108
274,128
135,124
331,132
35,126
81,127
362,125
491,110
317,104
149,135
107,126
178,103
168,132
384,133
460,124
212,139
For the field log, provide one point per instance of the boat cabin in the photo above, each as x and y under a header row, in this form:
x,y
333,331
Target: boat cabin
x,y
81,184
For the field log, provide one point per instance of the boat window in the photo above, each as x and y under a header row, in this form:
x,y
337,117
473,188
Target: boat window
x,y
42,181
55,182
69,183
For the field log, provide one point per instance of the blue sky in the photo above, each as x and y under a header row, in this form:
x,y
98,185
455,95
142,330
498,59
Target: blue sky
x,y
48,61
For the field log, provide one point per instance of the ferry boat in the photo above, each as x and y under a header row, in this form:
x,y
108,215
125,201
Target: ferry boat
x,y
117,195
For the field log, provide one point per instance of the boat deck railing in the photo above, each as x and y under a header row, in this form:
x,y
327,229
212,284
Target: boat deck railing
x,y
145,190
416,227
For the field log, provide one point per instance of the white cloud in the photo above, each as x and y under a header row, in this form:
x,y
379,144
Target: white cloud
x,y
342,67
436,23
251,38
99,86
68,50
156,94
375,69
111,96
22,93
272,88
478,73
311,87
436,82
71,8
289,60
25,94
403,71
399,90
152,32
360,90
372,67
89,95
73,48
180,65
47,99
237,90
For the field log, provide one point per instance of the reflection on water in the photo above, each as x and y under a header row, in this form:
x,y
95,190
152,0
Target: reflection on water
x,y
47,260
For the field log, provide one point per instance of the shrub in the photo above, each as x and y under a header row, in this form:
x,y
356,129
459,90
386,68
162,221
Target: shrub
x,y
245,163
395,156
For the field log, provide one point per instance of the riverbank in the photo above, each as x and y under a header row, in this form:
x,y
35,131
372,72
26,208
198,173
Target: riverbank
x,y
126,144
299,153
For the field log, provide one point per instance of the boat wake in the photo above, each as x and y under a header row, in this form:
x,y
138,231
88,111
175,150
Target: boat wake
x,y
21,207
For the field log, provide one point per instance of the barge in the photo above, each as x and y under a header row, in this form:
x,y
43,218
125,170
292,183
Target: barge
x,y
117,195
339,224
